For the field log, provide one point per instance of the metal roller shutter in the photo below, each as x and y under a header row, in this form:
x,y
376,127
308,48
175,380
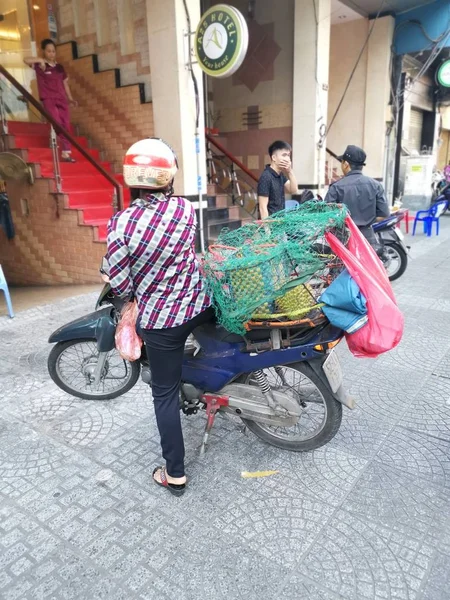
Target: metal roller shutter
x,y
415,130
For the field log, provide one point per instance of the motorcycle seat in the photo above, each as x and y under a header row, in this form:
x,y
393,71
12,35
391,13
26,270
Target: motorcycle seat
x,y
219,333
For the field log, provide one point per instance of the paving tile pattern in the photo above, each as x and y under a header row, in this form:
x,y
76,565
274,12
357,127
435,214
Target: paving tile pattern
x,y
364,518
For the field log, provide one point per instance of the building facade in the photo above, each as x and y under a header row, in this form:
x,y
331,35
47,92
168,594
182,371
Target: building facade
x,y
320,75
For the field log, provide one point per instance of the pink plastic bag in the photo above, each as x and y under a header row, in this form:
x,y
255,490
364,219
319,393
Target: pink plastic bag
x,y
128,343
384,329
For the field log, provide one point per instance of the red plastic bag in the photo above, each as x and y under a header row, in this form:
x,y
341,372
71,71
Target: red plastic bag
x,y
128,343
384,329
363,251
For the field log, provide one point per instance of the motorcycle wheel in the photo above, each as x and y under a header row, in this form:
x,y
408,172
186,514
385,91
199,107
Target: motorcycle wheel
x,y
72,364
398,258
320,419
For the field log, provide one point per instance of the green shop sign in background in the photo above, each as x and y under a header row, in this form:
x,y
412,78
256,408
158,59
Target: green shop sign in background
x,y
443,74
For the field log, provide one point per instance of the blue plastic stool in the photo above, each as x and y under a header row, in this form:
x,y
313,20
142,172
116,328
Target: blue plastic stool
x,y
291,204
4,288
430,216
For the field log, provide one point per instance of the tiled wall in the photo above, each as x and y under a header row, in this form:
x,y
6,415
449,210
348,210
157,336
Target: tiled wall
x,y
250,147
108,28
47,249
254,107
112,118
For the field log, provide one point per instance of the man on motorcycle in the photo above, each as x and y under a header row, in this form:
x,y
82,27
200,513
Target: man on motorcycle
x,y
151,256
363,196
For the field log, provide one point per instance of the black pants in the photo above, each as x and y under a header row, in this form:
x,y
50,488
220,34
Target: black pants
x,y
371,237
165,349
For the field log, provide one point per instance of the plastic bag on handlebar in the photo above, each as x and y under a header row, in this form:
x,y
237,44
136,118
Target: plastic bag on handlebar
x,y
384,328
128,343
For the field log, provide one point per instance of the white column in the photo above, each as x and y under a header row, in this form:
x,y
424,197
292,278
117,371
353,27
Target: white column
x,y
172,88
310,101
377,94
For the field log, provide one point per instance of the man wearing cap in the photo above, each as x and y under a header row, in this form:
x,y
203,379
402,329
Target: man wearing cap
x,y
363,196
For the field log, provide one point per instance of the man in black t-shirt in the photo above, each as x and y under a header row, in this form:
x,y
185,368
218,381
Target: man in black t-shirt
x,y
276,179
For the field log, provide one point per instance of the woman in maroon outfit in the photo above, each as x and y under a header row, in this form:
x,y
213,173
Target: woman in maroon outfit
x,y
54,90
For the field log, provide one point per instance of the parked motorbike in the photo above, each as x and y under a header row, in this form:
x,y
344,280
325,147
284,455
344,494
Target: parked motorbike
x,y
286,386
393,251
437,185
444,195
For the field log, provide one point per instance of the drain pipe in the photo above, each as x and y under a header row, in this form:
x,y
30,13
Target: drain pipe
x,y
199,191
197,132
387,175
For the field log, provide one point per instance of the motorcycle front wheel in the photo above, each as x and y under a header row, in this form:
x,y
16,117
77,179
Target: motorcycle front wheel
x,y
321,415
72,366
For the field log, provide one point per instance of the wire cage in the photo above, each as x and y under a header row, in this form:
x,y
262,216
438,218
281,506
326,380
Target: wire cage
x,y
273,272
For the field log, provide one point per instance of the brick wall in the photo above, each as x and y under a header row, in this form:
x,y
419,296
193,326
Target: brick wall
x,y
250,143
47,249
251,147
98,29
111,117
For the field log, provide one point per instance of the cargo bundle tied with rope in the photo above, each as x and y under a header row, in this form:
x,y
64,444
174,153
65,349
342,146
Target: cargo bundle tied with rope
x,y
272,272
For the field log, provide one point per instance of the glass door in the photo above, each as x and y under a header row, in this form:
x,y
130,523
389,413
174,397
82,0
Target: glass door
x,y
15,44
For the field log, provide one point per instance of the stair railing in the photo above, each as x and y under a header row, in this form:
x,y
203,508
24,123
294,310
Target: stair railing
x,y
231,176
56,128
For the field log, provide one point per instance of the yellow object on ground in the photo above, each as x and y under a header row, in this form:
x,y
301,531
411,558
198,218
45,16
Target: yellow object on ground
x,y
254,474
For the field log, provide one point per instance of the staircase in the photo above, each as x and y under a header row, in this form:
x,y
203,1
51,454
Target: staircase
x,y
231,192
220,213
232,195
88,193
85,189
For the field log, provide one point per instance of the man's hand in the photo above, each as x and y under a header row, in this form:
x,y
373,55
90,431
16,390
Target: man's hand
x,y
286,166
73,102
291,186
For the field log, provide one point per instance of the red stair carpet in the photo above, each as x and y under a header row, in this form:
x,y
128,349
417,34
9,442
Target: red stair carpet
x,y
87,190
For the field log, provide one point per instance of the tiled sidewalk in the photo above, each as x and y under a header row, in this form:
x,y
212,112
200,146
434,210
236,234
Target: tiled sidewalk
x,y
365,518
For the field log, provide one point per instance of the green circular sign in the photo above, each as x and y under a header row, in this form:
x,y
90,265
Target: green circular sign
x,y
221,40
443,74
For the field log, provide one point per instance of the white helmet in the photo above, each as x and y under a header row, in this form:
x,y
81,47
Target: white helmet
x,y
150,163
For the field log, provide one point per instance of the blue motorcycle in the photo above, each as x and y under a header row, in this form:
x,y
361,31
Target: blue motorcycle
x,y
285,384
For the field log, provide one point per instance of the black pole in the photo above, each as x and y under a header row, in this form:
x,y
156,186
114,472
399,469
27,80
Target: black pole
x,y
398,148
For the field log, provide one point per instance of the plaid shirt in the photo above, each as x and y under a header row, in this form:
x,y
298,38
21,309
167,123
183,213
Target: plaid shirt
x,y
151,254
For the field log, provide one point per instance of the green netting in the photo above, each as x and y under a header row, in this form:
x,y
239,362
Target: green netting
x,y
272,269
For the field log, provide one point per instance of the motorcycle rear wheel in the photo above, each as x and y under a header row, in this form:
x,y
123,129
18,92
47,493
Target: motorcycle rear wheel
x,y
397,254
303,383
71,366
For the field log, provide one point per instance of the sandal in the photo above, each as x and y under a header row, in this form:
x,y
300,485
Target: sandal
x,y
176,490
68,159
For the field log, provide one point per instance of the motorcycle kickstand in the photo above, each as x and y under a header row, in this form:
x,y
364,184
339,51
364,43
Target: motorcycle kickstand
x,y
213,405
